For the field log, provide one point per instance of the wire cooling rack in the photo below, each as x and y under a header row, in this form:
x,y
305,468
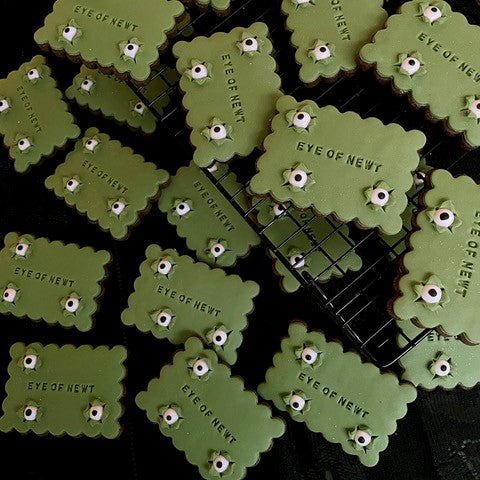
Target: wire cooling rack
x,y
357,301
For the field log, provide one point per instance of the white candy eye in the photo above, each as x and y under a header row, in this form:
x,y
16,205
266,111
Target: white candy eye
x,y
182,208
21,249
69,32
217,249
91,144
250,45
302,119
95,413
131,50
72,185
213,168
33,74
23,144
418,178
9,295
200,368
218,132
362,439
139,107
4,105
118,207
86,85
322,52
302,1
278,209
474,107
298,178
444,217
170,416
29,361
220,464
411,65
199,71
164,266
297,403
309,355
379,197
297,261
30,413
431,294
441,368
164,319
219,337
432,13
72,304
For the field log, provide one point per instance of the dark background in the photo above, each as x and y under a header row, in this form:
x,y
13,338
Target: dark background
x,y
440,436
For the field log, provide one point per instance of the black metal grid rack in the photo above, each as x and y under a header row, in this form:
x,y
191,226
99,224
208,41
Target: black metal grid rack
x,y
357,301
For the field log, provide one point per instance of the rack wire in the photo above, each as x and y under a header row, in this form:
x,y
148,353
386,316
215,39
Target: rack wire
x,y
357,301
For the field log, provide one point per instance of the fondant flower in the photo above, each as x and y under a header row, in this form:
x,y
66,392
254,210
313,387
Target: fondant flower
x,y
170,416
69,33
303,3
432,13
221,464
309,356
199,368
441,366
216,248
71,305
137,107
431,293
444,218
95,412
250,44
218,337
30,412
322,51
163,318
129,49
85,85
11,293
361,438
182,208
22,248
71,184
472,107
5,105
198,71
23,143
411,64
117,207
296,402
301,120
163,266
296,259
90,144
379,196
217,132
298,178
29,361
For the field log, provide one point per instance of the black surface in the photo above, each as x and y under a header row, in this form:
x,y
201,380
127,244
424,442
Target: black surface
x,y
440,436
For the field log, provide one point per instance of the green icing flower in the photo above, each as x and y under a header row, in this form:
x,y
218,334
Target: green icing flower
x,y
117,207
322,52
296,402
432,13
30,412
301,120
163,266
95,412
298,178
69,33
250,44
30,361
11,293
472,107
129,49
444,218
217,132
199,368
309,356
216,247
441,366
302,3
361,438
198,71
71,305
379,196
21,249
218,337
163,318
170,416
221,464
5,105
71,184
431,293
411,64
182,208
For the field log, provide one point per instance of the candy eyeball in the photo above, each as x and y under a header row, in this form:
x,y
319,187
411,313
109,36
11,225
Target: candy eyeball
x,y
182,208
474,108
9,295
444,217
298,178
131,49
86,85
164,267
297,261
297,403
90,144
72,184
23,144
322,52
170,417
30,413
139,107
69,32
4,105
309,355
33,74
118,207
411,65
431,294
218,132
200,368
164,319
302,119
95,413
250,44
219,337
379,197
362,439
419,178
21,249
71,304
29,362
442,368
220,464
199,71
278,209
217,249
432,13
213,168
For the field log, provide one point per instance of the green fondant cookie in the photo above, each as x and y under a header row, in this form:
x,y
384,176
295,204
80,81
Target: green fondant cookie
x,y
107,182
205,218
120,37
228,114
208,414
439,285
51,281
115,99
319,263
34,119
64,390
329,34
428,51
176,298
334,393
220,7
439,361
318,157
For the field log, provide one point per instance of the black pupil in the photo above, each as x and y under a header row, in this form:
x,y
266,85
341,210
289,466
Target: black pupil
x,y
295,405
381,195
298,177
300,116
444,216
67,30
139,106
5,295
199,367
323,49
249,41
443,368
130,46
168,417
70,183
181,206
28,361
28,412
198,69
115,206
217,249
420,175
432,292
30,72
218,338
361,439
219,465
70,303
1,103
434,9
281,208
308,357
163,318
89,142
216,129
85,82
21,142
411,62
162,265
20,247
94,413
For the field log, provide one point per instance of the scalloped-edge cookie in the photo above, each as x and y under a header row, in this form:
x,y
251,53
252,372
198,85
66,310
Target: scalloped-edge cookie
x,y
318,157
219,7
107,182
205,218
64,390
118,37
34,118
439,284
334,393
439,361
175,298
51,281
228,114
115,99
422,53
334,245
328,35
209,415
